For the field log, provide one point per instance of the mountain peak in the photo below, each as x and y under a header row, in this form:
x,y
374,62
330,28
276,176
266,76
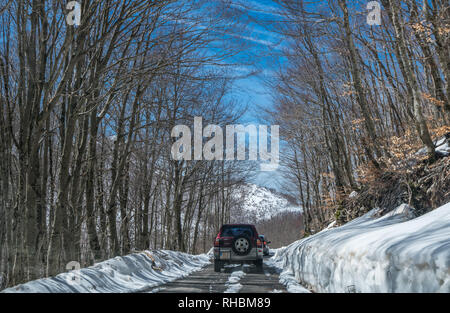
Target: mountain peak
x,y
255,203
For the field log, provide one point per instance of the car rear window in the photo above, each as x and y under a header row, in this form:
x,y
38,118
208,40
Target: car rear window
x,y
233,231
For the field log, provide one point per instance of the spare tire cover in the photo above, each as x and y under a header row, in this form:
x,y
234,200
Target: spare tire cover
x,y
241,245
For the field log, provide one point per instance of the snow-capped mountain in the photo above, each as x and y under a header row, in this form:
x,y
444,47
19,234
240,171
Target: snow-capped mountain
x,y
255,203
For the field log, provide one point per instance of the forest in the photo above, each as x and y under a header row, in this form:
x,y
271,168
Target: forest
x,y
87,112
355,102
86,116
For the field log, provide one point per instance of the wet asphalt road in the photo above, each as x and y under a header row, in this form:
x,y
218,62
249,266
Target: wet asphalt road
x,y
230,279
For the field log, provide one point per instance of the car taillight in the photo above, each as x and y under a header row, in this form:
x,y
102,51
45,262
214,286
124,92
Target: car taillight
x,y
265,242
258,242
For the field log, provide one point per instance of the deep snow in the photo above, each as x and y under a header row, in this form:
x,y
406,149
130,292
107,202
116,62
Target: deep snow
x,y
392,253
131,273
286,277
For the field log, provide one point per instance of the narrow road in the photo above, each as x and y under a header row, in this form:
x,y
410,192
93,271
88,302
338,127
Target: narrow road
x,y
233,278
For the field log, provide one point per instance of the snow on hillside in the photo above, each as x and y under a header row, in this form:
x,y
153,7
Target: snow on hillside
x,y
256,203
392,253
131,273
442,146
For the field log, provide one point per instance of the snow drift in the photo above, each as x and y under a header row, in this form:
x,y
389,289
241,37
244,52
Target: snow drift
x,y
392,253
286,277
131,273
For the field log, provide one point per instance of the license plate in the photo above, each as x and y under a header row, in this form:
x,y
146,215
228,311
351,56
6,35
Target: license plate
x,y
224,255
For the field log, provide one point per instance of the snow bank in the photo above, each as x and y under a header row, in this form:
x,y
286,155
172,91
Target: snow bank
x,y
442,146
392,253
286,277
292,286
132,273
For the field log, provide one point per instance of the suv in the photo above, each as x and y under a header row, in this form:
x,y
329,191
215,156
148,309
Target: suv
x,y
238,243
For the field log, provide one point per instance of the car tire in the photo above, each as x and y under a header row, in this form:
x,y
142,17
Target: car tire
x,y
217,265
241,245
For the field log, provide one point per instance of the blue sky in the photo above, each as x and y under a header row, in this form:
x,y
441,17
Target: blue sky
x,y
264,51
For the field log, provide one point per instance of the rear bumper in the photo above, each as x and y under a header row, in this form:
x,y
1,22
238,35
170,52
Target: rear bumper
x,y
227,255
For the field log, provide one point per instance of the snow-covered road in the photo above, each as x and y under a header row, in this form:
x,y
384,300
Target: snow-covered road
x,y
232,279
